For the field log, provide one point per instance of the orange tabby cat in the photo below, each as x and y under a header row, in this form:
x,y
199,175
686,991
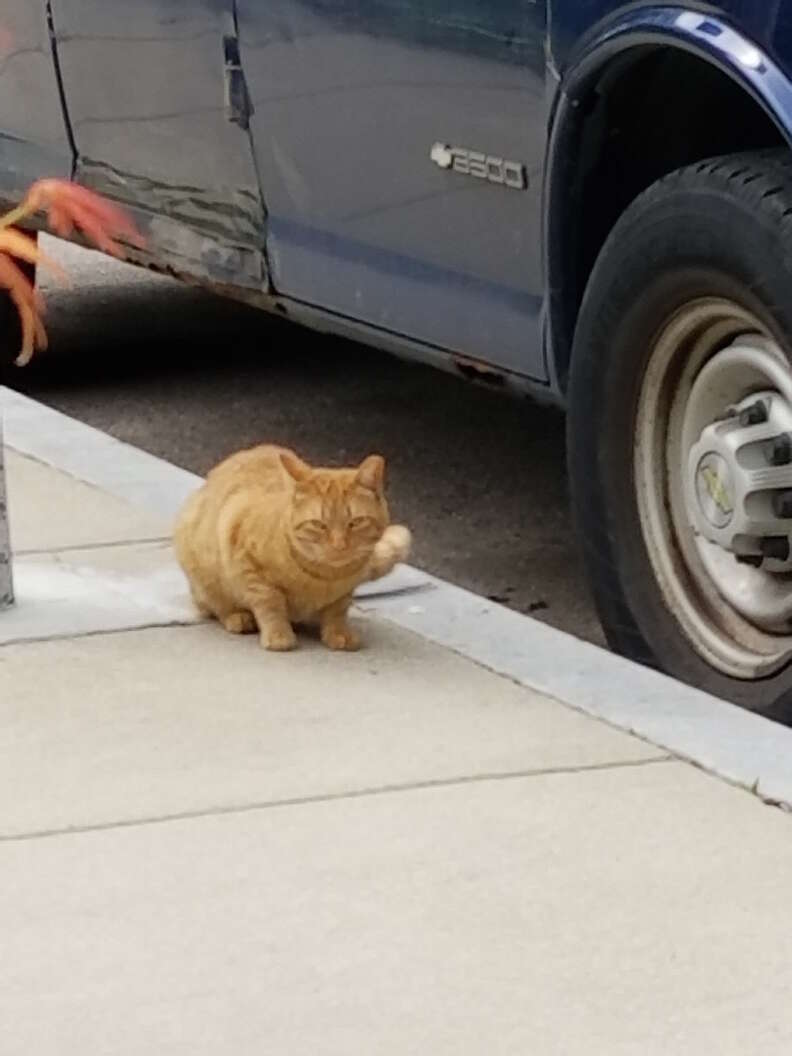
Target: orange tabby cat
x,y
269,541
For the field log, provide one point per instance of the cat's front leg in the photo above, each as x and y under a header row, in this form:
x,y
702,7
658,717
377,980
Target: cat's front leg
x,y
271,611
334,627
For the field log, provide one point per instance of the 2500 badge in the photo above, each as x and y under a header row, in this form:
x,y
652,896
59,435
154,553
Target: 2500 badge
x,y
482,166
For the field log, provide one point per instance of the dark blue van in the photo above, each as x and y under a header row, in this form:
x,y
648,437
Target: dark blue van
x,y
586,200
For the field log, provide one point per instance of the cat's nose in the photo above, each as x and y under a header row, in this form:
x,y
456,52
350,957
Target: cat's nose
x,y
337,540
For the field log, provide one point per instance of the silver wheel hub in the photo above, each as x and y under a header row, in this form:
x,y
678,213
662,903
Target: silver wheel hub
x,y
738,483
713,476
714,484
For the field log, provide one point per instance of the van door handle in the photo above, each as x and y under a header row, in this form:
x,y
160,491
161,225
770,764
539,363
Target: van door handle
x,y
238,107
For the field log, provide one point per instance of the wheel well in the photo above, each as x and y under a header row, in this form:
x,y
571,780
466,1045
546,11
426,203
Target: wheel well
x,y
650,111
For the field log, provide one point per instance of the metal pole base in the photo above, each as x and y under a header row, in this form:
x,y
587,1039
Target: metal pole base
x,y
6,578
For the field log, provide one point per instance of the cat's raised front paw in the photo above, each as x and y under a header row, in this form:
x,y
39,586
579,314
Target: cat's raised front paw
x,y
341,639
278,639
399,540
393,547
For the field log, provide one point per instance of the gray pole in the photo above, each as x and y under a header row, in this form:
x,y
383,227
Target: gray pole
x,y
6,581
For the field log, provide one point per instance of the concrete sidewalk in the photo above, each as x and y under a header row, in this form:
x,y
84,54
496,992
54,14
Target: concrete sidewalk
x,y
205,849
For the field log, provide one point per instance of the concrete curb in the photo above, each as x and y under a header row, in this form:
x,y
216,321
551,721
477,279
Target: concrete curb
x,y
742,748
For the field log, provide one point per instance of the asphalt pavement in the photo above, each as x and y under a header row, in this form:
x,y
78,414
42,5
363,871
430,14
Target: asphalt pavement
x,y
479,476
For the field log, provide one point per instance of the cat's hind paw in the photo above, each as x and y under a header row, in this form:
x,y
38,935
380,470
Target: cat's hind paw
x,y
240,623
341,639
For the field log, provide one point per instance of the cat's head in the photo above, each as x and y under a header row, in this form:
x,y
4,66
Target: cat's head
x,y
337,515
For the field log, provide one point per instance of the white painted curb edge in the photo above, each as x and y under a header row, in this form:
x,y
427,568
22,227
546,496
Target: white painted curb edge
x,y
719,737
93,457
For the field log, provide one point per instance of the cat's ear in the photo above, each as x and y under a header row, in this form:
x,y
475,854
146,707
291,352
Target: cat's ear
x,y
298,470
371,473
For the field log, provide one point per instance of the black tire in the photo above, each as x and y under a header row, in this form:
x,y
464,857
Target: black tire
x,y
721,228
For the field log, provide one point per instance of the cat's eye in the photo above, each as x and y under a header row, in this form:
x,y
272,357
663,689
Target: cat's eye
x,y
357,523
314,526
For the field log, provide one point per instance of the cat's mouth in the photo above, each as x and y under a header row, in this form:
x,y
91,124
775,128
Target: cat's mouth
x,y
333,565
344,560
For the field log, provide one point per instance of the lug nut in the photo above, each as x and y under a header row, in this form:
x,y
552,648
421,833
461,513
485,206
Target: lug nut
x,y
782,504
755,414
776,547
779,450
725,416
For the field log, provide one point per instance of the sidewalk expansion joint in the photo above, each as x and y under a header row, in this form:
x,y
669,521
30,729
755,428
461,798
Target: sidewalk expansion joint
x,y
333,797
152,541
76,636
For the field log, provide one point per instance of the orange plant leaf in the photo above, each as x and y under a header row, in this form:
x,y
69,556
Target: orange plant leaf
x,y
69,206
29,305
23,247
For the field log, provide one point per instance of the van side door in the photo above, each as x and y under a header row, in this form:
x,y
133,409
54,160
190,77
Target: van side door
x,y
400,146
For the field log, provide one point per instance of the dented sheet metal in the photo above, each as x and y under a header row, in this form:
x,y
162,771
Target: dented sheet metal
x,y
146,89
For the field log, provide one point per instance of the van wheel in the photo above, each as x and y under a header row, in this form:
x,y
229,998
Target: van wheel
x,y
680,429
